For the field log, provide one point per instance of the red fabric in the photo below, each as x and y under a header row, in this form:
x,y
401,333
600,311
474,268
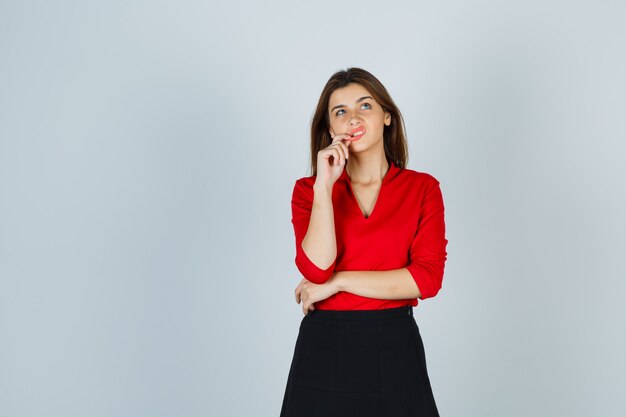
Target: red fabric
x,y
406,229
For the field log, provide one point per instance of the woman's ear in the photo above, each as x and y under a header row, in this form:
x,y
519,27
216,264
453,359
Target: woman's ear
x,y
387,119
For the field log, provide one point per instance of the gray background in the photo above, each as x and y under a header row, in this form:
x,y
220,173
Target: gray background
x,y
148,152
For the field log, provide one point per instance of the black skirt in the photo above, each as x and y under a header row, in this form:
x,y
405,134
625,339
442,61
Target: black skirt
x,y
361,363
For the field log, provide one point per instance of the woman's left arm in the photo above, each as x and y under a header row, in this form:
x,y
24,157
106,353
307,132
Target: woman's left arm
x,y
394,284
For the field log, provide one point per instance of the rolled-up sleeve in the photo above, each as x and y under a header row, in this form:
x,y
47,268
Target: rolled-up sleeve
x,y
301,204
428,247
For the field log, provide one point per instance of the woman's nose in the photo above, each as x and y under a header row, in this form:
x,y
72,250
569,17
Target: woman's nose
x,y
354,119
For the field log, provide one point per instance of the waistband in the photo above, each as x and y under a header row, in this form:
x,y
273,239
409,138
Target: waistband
x,y
362,314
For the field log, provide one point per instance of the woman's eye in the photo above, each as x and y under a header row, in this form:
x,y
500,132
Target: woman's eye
x,y
338,113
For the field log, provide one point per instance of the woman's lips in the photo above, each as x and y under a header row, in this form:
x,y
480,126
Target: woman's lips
x,y
357,133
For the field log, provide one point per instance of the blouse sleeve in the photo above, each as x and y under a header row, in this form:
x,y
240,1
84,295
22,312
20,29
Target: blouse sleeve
x,y
301,204
428,248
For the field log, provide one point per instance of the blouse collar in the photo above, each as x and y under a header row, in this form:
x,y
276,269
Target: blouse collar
x,y
391,172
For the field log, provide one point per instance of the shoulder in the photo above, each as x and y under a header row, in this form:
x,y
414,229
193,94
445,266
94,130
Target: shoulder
x,y
304,184
423,189
419,179
306,181
303,190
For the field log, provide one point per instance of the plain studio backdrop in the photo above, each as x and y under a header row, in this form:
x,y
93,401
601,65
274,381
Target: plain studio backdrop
x,y
148,151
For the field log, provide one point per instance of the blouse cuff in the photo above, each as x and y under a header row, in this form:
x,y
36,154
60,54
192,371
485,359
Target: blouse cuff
x,y
310,271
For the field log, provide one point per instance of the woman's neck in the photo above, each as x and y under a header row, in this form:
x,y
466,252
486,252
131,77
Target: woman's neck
x,y
368,171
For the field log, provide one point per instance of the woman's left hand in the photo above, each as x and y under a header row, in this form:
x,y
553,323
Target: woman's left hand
x,y
310,293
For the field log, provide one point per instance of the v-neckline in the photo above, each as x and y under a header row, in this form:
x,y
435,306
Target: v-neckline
x,y
386,177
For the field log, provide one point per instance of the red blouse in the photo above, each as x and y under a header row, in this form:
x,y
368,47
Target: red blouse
x,y
405,229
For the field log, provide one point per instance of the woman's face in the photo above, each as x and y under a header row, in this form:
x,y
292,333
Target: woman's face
x,y
352,109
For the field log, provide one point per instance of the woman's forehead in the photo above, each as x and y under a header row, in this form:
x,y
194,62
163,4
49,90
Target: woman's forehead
x,y
348,95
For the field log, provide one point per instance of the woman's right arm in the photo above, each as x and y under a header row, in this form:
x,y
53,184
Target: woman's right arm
x,y
314,226
320,243
313,216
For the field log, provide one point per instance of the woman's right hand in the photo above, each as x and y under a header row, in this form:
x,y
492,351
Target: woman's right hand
x,y
332,159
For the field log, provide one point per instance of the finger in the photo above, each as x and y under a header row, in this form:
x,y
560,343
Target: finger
x,y
341,137
345,142
300,292
344,151
344,148
303,294
306,299
339,156
331,151
297,292
328,152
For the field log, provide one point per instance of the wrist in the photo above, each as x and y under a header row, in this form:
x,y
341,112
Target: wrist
x,y
323,188
339,281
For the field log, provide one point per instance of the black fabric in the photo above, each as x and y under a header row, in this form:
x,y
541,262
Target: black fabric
x,y
361,363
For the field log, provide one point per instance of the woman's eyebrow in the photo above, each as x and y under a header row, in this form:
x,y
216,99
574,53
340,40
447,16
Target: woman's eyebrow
x,y
343,105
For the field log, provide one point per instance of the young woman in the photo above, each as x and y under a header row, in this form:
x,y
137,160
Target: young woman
x,y
370,240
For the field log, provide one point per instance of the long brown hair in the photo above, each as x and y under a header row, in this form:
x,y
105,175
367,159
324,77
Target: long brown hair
x,y
394,136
